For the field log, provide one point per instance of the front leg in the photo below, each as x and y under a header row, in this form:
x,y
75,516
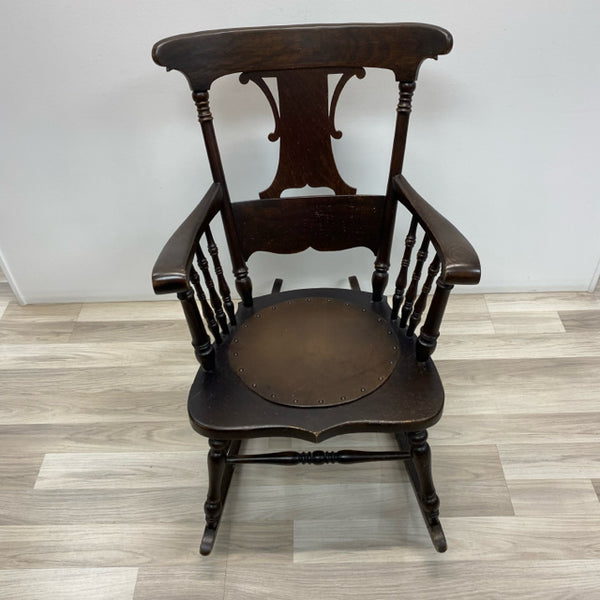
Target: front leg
x,y
213,507
419,471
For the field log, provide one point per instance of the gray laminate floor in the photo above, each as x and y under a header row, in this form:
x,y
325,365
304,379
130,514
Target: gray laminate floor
x,y
102,480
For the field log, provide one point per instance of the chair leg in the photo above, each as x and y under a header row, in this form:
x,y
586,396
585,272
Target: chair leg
x,y
219,478
419,471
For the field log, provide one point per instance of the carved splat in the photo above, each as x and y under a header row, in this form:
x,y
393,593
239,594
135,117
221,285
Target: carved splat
x,y
304,124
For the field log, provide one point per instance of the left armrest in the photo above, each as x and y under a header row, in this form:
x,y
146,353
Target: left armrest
x,y
172,268
459,261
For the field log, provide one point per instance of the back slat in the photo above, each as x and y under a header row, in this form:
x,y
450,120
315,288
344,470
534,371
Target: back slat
x,y
324,223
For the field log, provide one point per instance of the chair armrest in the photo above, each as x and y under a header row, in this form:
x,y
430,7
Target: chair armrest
x,y
172,268
459,261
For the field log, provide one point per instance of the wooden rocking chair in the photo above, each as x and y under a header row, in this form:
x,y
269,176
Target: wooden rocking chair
x,y
312,363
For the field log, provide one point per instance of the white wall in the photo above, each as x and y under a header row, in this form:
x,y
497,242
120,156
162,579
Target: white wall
x,y
100,156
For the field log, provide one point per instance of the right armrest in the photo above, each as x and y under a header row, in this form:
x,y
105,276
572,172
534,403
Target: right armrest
x,y
460,263
172,268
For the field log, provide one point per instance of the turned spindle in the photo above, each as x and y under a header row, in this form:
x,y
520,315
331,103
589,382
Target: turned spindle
x,y
402,279
214,297
430,331
221,281
207,311
203,349
421,302
411,293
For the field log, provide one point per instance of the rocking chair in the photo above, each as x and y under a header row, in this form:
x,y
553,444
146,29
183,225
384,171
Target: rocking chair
x,y
312,363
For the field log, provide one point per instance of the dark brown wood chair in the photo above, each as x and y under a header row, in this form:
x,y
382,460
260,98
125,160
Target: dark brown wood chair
x,y
312,363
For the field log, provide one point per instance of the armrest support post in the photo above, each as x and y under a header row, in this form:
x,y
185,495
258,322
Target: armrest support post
x,y
430,331
243,282
380,275
203,349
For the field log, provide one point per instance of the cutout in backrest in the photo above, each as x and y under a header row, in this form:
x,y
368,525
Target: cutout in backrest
x,y
306,191
304,126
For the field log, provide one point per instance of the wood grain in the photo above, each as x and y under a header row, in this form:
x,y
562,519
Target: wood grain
x,y
546,301
527,322
567,345
457,323
520,429
68,584
203,580
473,539
460,580
111,394
130,470
98,545
5,292
521,386
98,437
19,472
466,304
102,480
168,310
551,461
580,320
128,331
85,355
596,484
566,496
41,313
18,332
103,505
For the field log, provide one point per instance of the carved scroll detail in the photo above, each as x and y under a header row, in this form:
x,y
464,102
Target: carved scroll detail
x,y
346,76
258,79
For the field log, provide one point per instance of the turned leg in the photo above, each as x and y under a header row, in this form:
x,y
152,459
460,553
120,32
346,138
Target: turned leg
x,y
213,507
419,471
421,459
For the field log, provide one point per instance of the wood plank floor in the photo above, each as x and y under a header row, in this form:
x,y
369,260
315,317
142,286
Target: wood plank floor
x,y
102,480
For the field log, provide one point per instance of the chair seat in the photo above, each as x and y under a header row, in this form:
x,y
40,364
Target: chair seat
x,y
294,387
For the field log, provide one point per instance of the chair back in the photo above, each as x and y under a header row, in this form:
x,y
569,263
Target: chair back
x,y
300,60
